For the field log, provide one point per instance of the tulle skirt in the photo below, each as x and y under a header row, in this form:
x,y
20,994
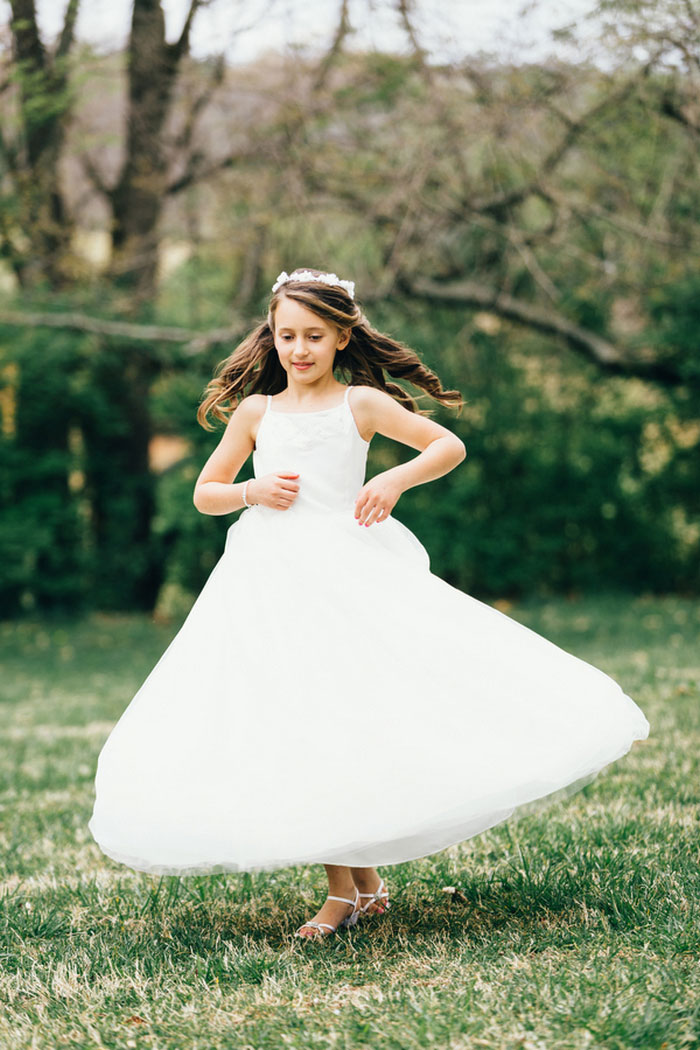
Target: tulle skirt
x,y
330,699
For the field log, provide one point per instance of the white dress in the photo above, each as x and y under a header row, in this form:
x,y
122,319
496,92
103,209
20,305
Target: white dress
x,y
329,699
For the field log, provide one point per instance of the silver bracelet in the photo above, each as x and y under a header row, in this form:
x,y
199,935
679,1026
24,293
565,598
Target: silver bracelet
x,y
245,488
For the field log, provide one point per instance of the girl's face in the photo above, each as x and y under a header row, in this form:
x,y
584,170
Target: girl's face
x,y
306,344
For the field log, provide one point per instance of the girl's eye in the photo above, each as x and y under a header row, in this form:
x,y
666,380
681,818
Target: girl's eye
x,y
315,338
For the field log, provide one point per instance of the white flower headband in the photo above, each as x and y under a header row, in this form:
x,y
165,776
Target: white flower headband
x,y
324,278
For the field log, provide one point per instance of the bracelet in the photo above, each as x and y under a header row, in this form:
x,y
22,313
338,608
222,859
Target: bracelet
x,y
245,488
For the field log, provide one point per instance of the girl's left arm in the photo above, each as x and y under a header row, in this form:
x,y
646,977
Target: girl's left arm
x,y
440,451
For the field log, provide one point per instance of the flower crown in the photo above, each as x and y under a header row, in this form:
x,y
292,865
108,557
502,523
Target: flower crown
x,y
323,278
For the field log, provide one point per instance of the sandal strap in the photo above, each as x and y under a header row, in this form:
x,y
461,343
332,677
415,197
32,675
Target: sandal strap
x,y
345,922
380,896
318,925
346,900
381,891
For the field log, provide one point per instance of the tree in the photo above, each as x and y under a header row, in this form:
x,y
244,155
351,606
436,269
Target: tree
x,y
551,196
38,229
35,227
160,160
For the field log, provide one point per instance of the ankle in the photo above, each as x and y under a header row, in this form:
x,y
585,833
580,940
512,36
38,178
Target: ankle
x,y
367,880
343,891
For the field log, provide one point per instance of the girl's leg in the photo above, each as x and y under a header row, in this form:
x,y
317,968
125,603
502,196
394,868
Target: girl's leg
x,y
344,882
368,880
340,884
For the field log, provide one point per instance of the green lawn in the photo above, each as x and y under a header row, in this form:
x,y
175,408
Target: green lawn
x,y
575,927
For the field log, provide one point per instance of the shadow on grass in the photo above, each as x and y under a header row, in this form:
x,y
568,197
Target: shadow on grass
x,y
547,903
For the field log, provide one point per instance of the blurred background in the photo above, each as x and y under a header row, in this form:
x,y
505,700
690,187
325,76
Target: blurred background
x,y
513,187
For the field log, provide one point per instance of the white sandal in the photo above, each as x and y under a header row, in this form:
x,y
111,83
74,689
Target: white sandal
x,y
349,921
380,896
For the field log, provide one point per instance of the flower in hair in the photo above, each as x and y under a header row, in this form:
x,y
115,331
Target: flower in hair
x,y
323,278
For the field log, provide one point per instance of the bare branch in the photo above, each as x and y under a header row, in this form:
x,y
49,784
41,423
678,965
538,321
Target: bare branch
x,y
532,264
68,32
180,48
574,129
193,173
193,342
342,30
583,208
93,174
184,138
406,225
592,346
403,6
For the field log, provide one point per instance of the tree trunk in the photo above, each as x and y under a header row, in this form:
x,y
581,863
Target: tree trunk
x,y
44,106
137,199
123,486
119,481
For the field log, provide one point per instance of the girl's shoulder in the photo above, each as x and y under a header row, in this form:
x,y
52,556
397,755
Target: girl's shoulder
x,y
368,395
368,401
249,413
370,406
252,406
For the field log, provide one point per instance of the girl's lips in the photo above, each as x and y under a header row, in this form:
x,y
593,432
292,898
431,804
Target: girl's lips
x,y
297,365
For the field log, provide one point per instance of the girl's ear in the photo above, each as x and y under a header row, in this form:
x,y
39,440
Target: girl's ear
x,y
343,338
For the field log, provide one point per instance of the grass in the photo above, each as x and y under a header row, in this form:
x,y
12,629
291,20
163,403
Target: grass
x,y
574,927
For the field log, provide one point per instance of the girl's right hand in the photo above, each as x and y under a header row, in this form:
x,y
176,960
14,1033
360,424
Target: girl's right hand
x,y
277,490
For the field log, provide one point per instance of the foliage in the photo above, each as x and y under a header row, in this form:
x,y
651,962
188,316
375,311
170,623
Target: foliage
x,y
566,486
68,534
572,481
557,202
42,530
674,308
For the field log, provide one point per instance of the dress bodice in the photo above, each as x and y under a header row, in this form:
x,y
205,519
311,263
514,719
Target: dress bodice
x,y
324,447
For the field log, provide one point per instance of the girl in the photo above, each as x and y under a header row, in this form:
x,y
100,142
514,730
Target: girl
x,y
329,699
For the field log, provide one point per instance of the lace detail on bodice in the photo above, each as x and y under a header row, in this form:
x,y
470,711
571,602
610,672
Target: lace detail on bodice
x,y
324,447
294,429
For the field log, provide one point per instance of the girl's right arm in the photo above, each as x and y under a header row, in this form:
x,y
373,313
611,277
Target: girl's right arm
x,y
214,491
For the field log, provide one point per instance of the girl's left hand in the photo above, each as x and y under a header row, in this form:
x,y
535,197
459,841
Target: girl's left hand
x,y
377,498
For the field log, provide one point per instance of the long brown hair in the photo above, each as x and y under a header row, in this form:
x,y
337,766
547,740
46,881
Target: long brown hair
x,y
254,366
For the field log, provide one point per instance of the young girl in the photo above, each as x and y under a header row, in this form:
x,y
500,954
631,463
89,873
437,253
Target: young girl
x,y
329,699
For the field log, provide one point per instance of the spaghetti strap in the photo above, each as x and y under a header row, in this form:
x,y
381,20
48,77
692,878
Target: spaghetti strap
x,y
347,391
